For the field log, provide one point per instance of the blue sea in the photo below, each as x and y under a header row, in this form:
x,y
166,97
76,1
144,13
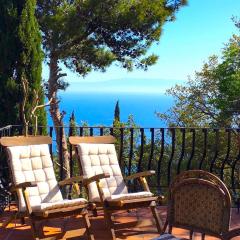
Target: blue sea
x,y
98,108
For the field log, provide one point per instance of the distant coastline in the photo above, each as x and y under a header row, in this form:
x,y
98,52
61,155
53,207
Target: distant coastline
x,y
127,86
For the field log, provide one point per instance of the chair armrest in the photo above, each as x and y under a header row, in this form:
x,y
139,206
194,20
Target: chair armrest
x,y
70,181
140,174
142,178
232,233
96,178
23,185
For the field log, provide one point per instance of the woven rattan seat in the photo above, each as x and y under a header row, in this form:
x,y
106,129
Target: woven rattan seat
x,y
200,202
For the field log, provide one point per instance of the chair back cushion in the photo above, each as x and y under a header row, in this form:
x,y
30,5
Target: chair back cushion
x,y
33,163
199,205
97,159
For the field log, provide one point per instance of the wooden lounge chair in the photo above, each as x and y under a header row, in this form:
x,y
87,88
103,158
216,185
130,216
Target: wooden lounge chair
x,y
199,202
98,155
34,181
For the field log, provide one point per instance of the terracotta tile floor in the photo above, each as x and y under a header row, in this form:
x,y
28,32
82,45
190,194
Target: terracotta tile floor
x,y
134,225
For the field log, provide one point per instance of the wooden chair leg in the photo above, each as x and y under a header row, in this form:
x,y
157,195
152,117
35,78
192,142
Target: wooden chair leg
x,y
157,218
165,227
22,220
170,229
9,220
109,223
238,205
88,227
93,208
94,212
35,232
191,234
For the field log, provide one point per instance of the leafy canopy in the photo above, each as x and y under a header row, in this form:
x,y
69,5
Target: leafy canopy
x,y
90,34
228,73
212,98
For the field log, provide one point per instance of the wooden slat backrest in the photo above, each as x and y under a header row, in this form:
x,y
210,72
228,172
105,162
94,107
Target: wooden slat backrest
x,y
25,141
74,140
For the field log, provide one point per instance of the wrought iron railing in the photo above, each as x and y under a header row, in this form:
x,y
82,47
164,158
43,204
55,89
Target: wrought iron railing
x,y
168,151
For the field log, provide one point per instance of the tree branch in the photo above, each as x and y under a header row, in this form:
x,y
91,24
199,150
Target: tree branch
x,y
41,106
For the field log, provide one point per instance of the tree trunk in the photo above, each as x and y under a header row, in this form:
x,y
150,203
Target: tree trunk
x,y
57,118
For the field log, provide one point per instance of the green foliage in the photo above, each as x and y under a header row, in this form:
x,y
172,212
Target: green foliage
x,y
212,98
73,131
194,104
72,125
9,89
116,113
128,137
91,35
87,35
21,57
30,58
228,73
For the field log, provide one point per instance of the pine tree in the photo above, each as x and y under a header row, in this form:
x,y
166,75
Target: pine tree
x,y
91,35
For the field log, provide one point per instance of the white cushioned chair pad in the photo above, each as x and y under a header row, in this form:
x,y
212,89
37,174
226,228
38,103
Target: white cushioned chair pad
x,y
33,163
102,158
64,203
129,196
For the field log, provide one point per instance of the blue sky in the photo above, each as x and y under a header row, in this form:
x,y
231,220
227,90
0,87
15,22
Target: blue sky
x,y
200,30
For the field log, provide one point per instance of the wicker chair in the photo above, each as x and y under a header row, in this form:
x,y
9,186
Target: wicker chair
x,y
200,202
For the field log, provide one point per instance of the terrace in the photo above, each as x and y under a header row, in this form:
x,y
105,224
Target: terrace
x,y
168,151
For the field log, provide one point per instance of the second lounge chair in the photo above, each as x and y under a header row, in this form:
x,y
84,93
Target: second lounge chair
x,y
97,155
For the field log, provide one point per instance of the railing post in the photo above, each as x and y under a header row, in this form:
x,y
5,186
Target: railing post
x,y
111,131
91,131
183,131
51,145
141,150
216,149
193,131
173,132
151,149
130,152
60,153
70,153
228,131
101,131
235,163
160,161
205,135
121,148
81,131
